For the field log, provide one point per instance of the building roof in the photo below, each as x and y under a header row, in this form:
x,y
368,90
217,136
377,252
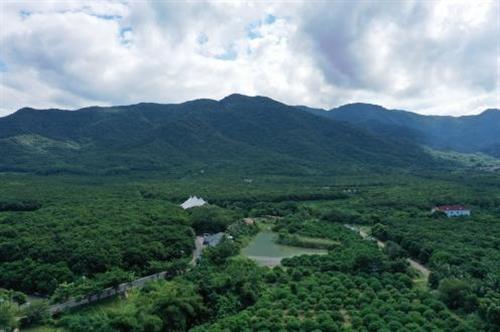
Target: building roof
x,y
193,201
213,239
451,208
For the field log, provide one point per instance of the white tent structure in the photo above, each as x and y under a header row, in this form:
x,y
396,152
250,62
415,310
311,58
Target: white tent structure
x,y
193,201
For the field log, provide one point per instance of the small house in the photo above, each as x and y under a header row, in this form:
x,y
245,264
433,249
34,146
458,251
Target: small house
x,y
212,240
452,210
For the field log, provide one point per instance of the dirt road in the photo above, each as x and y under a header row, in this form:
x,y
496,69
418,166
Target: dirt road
x,y
413,263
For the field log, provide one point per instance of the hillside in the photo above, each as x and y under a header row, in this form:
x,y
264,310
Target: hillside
x,y
469,134
238,133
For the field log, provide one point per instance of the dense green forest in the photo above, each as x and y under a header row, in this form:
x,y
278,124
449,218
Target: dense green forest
x,y
64,241
66,236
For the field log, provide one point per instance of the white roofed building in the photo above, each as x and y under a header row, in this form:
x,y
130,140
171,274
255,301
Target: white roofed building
x,y
193,201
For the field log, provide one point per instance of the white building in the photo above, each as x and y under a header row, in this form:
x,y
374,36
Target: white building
x,y
193,201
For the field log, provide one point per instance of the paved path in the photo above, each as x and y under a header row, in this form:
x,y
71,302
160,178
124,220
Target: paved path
x,y
198,248
365,235
413,263
417,266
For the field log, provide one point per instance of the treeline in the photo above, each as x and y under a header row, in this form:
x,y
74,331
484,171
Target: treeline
x,y
24,205
212,219
294,197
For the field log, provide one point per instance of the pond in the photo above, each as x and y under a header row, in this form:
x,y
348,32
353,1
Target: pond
x,y
266,252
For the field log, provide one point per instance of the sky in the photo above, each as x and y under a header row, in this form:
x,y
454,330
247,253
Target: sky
x,y
430,57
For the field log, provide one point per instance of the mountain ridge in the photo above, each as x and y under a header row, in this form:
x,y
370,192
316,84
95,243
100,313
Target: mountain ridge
x,y
238,95
247,134
466,134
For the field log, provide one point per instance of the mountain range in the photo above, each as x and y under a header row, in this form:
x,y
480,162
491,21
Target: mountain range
x,y
468,134
248,135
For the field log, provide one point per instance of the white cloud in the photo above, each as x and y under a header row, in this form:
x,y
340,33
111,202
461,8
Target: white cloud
x,y
429,57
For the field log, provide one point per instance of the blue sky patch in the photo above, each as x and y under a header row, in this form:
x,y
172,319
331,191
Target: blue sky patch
x,y
24,13
228,55
252,29
270,19
3,66
124,39
202,38
123,31
107,17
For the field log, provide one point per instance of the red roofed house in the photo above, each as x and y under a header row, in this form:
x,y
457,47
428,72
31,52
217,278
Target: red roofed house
x,y
452,210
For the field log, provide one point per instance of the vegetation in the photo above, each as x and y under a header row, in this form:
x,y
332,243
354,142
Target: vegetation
x,y
117,228
358,288
8,320
90,199
463,255
211,219
19,205
16,312
87,234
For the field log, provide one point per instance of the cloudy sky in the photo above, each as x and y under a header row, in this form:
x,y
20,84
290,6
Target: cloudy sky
x,y
431,57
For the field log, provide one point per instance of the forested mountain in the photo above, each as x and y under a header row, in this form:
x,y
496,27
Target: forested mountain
x,y
246,134
475,133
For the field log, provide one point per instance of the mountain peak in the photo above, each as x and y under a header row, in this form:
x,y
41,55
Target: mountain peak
x,y
237,98
363,107
490,111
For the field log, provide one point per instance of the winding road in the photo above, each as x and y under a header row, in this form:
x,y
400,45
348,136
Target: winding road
x,y
413,263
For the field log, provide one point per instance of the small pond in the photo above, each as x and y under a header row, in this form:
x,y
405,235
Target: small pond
x,y
266,252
